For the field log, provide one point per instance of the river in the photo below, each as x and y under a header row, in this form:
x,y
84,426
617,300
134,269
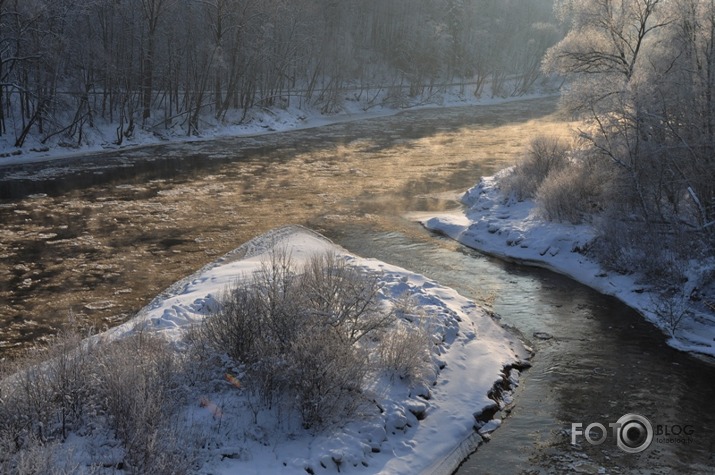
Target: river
x,y
97,237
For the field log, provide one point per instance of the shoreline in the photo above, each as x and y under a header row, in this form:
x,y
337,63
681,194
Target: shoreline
x,y
450,463
272,122
511,232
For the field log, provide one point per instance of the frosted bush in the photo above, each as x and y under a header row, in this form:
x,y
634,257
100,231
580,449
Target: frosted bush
x,y
139,389
404,352
544,156
44,393
297,330
128,389
574,192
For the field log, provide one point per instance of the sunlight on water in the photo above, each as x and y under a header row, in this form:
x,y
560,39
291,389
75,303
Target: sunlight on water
x,y
101,246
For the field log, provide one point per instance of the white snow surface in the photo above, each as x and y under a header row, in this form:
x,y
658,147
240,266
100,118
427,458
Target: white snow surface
x,y
473,348
512,230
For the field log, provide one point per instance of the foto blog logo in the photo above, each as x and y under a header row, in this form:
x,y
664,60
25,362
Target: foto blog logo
x,y
633,433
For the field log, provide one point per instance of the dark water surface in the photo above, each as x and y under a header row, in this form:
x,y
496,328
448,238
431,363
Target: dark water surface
x,y
596,360
102,235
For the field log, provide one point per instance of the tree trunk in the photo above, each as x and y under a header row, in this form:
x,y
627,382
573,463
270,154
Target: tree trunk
x,y
148,77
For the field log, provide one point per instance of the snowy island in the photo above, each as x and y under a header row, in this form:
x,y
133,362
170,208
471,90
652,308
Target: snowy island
x,y
211,419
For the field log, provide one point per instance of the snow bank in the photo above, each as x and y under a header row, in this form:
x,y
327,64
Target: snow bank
x,y
473,353
102,137
513,231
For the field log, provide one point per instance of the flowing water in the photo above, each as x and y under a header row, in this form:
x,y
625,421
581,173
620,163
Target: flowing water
x,y
99,236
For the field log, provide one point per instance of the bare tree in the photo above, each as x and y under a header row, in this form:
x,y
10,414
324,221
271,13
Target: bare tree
x,y
642,76
153,11
66,63
602,53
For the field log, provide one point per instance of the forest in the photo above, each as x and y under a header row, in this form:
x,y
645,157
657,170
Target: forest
x,y
66,65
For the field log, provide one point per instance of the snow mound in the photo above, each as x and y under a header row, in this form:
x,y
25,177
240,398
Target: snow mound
x,y
418,429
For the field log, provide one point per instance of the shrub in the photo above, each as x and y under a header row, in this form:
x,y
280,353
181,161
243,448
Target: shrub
x,y
131,385
663,256
298,331
41,458
235,328
576,191
343,297
404,352
672,310
27,403
43,395
544,156
621,246
138,387
326,378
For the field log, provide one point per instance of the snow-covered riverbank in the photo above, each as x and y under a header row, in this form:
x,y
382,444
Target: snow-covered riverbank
x,y
419,429
101,138
513,231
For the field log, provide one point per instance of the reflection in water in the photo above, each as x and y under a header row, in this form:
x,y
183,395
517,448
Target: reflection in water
x,y
101,237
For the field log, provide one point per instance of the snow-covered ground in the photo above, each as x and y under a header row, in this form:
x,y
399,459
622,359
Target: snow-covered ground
x,y
473,351
102,137
513,230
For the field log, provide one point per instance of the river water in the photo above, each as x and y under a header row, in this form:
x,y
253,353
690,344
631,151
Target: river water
x,y
98,237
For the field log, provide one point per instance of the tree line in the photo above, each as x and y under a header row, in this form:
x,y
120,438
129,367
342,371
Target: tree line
x,y
65,64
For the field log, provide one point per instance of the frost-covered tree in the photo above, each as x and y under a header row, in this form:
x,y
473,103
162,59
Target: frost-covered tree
x,y
606,54
65,64
686,102
641,76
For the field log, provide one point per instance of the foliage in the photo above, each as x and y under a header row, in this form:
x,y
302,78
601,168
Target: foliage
x,y
577,191
129,387
404,350
672,310
139,389
641,78
46,396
